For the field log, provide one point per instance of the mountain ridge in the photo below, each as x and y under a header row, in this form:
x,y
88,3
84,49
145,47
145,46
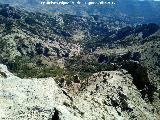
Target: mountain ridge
x,y
143,10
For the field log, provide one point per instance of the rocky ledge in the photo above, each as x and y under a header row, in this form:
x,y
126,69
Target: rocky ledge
x,y
107,95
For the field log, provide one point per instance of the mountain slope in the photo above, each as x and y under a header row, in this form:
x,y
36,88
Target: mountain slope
x,y
74,50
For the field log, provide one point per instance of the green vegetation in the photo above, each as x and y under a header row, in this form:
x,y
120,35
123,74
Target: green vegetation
x,y
85,68
25,67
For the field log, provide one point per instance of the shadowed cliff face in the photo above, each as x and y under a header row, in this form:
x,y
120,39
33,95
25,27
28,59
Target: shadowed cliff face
x,y
140,79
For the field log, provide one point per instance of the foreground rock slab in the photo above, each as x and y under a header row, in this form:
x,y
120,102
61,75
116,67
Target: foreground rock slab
x,y
34,99
107,96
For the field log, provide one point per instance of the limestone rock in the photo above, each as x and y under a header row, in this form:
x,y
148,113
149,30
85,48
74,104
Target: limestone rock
x,y
108,95
33,99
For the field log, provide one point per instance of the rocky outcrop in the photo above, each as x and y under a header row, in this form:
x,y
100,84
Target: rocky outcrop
x,y
107,95
33,99
112,95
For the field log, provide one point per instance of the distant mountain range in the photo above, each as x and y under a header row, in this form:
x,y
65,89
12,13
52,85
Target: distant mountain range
x,y
146,11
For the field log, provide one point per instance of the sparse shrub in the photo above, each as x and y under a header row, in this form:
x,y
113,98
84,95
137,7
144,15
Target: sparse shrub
x,y
8,26
3,74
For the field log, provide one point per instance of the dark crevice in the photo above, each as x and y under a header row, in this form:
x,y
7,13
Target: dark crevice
x,y
56,115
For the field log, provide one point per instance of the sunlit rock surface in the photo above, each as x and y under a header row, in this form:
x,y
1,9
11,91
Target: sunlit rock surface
x,y
106,96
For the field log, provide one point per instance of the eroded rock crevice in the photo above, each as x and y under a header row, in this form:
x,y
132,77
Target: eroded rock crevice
x,y
56,115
